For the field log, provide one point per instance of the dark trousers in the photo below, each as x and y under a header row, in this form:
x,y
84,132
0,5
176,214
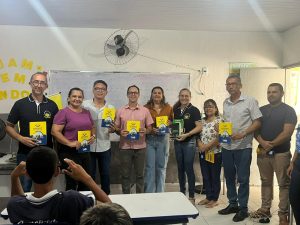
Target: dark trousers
x,y
295,190
82,159
211,176
103,159
237,167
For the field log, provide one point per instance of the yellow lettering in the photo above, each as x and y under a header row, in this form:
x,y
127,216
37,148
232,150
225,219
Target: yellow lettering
x,y
27,64
3,95
1,64
39,68
20,78
14,94
4,77
12,62
25,93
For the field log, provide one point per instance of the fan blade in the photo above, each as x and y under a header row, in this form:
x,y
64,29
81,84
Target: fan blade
x,y
126,50
113,47
127,35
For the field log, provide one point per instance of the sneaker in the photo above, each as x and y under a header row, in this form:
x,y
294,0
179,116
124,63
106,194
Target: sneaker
x,y
203,202
228,210
240,216
260,213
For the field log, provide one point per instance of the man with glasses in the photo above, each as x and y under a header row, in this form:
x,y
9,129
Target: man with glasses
x,y
34,108
243,113
133,152
101,148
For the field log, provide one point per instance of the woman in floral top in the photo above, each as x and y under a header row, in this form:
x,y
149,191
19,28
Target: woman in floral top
x,y
210,154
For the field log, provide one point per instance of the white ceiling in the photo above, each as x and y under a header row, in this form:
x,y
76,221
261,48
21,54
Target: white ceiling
x,y
210,15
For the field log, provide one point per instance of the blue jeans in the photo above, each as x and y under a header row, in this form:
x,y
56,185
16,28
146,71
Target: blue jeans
x,y
211,176
26,182
185,155
295,190
157,154
237,168
104,159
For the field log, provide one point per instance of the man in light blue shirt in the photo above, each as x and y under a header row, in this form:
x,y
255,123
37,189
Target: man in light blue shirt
x,y
243,112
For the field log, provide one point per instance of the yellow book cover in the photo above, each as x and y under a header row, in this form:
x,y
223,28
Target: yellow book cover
x,y
83,137
108,116
225,132
162,124
133,127
38,131
210,156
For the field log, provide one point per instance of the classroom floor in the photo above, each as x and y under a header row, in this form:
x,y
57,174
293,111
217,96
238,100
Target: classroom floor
x,y
211,216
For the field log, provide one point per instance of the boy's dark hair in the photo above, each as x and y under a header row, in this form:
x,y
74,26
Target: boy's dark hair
x,y
41,164
106,214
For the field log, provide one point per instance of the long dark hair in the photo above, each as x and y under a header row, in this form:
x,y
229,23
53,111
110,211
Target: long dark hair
x,y
163,101
214,104
177,104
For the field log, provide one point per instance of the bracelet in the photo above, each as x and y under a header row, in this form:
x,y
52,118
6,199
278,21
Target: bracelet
x,y
93,136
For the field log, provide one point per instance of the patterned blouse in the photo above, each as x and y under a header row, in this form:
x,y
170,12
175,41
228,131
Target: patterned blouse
x,y
209,133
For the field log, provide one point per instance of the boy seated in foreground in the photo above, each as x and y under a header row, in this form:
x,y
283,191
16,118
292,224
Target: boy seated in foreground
x,y
45,203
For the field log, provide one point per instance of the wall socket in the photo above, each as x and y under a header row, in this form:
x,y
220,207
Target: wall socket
x,y
204,70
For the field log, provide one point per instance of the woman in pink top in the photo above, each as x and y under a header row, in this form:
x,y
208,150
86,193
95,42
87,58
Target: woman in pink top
x,y
67,122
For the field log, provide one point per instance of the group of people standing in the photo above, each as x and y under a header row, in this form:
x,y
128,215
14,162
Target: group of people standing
x,y
272,125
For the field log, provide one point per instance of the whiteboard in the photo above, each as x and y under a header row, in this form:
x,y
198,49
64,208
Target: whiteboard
x,y
118,82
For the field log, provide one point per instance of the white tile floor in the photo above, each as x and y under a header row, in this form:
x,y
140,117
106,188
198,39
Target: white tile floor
x,y
210,216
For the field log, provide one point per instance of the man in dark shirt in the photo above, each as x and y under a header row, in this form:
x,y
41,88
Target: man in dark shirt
x,y
34,108
273,153
45,204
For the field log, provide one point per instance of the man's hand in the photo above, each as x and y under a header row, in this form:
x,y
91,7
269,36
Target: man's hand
x,y
76,171
143,131
290,169
30,142
238,136
19,170
267,145
124,133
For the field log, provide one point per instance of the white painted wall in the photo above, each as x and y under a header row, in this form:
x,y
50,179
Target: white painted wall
x,y
68,48
291,46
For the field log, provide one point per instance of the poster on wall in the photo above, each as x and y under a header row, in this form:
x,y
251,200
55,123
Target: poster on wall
x,y
15,75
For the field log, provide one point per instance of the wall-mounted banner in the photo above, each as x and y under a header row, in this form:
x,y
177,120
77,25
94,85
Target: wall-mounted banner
x,y
235,67
15,74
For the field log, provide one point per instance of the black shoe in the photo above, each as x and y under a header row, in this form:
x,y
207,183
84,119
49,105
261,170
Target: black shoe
x,y
228,210
240,216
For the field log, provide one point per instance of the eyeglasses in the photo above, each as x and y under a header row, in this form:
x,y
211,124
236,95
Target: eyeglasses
x,y
99,89
133,93
209,107
37,83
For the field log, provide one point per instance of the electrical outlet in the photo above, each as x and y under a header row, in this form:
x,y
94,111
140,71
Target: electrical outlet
x,y
204,70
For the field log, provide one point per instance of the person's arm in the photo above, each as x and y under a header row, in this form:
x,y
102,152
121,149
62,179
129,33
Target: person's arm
x,y
285,135
16,187
291,166
253,127
197,129
10,129
56,132
76,171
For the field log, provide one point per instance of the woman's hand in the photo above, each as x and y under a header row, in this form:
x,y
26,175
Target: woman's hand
x,y
75,144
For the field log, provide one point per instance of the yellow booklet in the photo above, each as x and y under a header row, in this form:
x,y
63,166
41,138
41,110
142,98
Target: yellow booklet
x,y
133,127
83,137
162,124
108,117
38,131
225,132
210,156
